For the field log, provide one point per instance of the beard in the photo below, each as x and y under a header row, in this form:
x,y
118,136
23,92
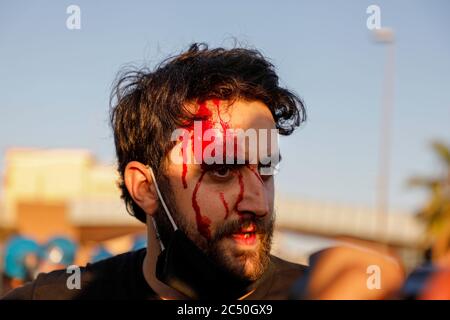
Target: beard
x,y
247,265
244,264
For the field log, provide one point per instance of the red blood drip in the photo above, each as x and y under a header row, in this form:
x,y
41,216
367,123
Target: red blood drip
x,y
223,124
256,174
225,204
203,222
203,114
216,101
183,175
184,151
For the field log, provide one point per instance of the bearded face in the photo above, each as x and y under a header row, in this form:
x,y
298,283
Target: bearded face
x,y
225,208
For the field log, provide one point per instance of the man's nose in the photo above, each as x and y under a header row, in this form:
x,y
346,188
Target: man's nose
x,y
254,198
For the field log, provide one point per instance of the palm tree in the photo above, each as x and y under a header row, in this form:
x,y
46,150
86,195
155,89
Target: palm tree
x,y
436,212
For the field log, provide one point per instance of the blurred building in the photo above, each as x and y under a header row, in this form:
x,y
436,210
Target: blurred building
x,y
62,192
305,226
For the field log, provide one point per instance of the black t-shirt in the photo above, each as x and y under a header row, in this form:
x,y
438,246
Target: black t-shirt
x,y
121,277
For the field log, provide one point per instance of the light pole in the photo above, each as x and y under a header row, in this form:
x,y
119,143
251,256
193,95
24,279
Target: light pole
x,y
385,36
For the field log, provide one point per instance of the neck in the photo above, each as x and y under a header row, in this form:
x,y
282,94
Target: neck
x,y
149,269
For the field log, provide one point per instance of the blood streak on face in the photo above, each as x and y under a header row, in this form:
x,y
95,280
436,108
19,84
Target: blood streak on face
x,y
184,172
225,204
256,174
203,114
223,124
203,222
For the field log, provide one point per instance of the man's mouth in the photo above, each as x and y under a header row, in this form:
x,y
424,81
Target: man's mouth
x,y
245,236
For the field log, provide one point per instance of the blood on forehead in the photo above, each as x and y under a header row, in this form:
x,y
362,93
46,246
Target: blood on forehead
x,y
205,116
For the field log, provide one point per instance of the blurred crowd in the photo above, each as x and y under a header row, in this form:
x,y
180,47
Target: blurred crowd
x,y
23,258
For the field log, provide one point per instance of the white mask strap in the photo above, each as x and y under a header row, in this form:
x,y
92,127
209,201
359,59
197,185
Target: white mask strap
x,y
175,228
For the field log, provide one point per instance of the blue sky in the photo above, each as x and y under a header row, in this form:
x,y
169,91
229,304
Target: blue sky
x,y
55,82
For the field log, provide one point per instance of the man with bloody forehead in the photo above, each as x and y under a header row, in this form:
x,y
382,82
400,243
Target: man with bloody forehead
x,y
196,147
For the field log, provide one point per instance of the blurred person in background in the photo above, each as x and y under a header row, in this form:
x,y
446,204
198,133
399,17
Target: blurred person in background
x,y
352,270
432,279
21,261
57,253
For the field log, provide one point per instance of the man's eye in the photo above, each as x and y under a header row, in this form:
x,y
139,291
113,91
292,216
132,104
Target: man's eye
x,y
222,172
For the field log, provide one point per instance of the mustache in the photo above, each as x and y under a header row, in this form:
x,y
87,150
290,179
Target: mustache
x,y
262,226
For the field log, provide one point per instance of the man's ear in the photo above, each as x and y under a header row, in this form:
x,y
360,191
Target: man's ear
x,y
140,185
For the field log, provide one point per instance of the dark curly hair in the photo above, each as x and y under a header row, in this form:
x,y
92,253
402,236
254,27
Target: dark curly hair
x,y
147,105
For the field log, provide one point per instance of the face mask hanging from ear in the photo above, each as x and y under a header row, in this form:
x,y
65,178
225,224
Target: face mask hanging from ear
x,y
184,267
